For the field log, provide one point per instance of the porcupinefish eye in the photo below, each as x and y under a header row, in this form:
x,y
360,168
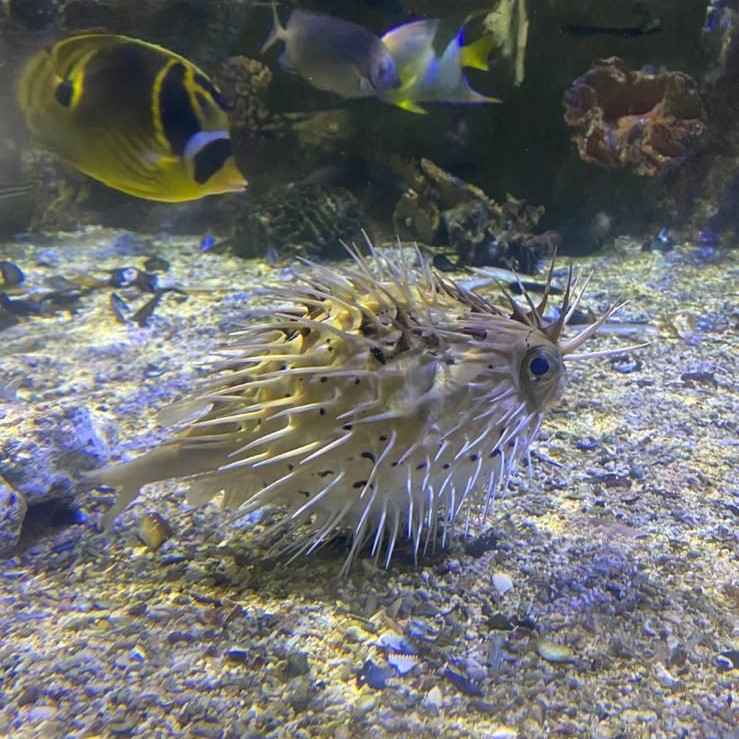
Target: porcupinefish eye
x,y
542,373
541,364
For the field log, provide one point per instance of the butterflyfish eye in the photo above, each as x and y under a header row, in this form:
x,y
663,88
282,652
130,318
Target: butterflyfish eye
x,y
179,122
210,159
63,93
539,366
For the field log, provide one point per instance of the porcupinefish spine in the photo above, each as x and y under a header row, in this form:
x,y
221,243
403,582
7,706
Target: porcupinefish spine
x,y
381,400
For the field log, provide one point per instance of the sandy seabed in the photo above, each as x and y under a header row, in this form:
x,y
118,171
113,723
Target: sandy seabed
x,y
600,598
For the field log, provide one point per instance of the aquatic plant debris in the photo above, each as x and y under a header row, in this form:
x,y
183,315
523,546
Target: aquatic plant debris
x,y
382,400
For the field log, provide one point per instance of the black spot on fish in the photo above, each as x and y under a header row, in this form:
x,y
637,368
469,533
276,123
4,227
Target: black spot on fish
x,y
325,473
359,484
175,110
210,159
63,93
378,355
369,455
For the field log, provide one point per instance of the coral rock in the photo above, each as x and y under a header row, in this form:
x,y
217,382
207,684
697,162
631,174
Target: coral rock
x,y
439,207
301,218
632,119
245,82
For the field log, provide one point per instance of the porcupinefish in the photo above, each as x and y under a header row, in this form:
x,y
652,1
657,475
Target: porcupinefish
x,y
135,116
427,76
333,54
382,400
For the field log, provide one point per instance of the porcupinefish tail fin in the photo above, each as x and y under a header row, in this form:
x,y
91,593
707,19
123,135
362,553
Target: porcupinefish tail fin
x,y
124,496
129,477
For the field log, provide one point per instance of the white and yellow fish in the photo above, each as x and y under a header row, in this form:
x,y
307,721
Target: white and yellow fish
x,y
428,76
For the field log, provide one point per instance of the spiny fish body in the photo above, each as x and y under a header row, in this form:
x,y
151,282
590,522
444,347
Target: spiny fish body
x,y
383,400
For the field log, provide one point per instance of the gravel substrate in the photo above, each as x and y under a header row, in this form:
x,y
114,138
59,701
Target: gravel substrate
x,y
600,599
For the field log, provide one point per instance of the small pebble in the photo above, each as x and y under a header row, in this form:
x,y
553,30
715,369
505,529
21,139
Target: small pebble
x,y
475,671
365,706
433,699
154,531
297,664
502,582
663,676
11,273
41,713
374,675
552,652
355,635
29,693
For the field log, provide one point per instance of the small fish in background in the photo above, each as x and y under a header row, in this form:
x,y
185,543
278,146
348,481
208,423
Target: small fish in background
x,y
10,192
427,76
647,28
645,24
333,54
133,115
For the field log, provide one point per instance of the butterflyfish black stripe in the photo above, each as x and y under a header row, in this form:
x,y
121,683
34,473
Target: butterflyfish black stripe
x,y
205,84
210,159
179,122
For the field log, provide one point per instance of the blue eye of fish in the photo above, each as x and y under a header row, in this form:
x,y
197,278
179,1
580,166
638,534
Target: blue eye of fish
x,y
179,122
64,92
539,366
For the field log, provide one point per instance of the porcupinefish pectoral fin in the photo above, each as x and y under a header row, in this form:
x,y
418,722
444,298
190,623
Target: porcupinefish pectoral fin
x,y
203,490
184,412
